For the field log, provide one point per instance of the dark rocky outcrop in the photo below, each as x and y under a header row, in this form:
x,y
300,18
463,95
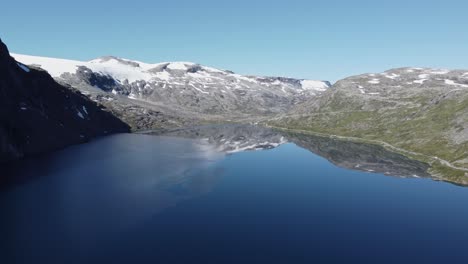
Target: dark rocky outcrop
x,y
38,115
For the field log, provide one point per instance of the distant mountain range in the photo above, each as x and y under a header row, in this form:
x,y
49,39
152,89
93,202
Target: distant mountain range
x,y
185,90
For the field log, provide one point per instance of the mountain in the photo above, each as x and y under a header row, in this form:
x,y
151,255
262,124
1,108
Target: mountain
x,y
420,112
180,92
37,114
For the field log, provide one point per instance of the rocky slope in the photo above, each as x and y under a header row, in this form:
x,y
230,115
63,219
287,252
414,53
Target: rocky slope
x,y
177,92
420,110
37,114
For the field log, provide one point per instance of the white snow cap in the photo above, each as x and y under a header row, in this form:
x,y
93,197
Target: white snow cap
x,y
166,72
314,85
24,68
120,69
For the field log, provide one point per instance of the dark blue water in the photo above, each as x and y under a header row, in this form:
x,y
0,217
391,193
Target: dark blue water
x,y
149,199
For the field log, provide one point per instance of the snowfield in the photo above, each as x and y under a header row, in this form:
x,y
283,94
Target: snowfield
x,y
123,70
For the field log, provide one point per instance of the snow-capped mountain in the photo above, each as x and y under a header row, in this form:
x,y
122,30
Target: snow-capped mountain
x,y
181,86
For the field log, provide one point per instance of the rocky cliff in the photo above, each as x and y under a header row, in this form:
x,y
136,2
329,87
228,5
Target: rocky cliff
x,y
38,115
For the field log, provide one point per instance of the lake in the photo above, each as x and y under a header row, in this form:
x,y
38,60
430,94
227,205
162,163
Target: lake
x,y
229,194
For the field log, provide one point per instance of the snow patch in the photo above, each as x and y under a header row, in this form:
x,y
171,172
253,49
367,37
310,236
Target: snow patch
x,y
255,147
374,81
314,85
24,68
199,75
392,76
244,78
179,65
423,76
451,82
361,89
55,67
420,81
440,72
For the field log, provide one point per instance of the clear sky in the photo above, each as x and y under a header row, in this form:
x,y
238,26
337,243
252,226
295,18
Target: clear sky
x,y
326,39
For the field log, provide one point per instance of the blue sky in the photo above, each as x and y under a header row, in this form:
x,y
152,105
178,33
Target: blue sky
x,y
325,40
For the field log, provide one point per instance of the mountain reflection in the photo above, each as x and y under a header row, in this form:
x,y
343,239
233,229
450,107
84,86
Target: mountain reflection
x,y
358,156
346,154
231,138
